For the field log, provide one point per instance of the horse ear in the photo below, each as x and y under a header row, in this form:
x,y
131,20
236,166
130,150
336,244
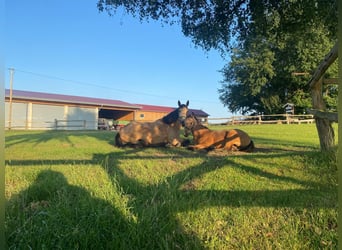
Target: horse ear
x,y
179,103
187,103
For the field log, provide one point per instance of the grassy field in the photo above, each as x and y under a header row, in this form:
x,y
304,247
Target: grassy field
x,y
75,190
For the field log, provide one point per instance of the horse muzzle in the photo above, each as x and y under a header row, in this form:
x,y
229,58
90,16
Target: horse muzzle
x,y
182,119
187,132
183,123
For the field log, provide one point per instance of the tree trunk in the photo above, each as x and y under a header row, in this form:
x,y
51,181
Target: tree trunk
x,y
323,125
325,130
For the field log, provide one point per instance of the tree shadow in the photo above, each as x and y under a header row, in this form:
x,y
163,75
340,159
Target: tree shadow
x,y
274,143
179,184
53,214
74,216
176,193
62,136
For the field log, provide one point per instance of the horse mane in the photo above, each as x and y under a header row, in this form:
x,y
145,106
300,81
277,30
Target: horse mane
x,y
174,115
171,117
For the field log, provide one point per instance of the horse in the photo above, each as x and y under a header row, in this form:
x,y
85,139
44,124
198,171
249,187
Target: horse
x,y
205,138
162,132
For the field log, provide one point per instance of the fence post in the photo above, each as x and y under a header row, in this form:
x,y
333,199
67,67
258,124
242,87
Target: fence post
x,y
287,118
56,123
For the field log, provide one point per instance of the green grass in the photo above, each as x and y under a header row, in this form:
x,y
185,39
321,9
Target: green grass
x,y
75,190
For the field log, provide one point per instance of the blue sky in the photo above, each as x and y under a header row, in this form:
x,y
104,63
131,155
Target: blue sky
x,y
69,47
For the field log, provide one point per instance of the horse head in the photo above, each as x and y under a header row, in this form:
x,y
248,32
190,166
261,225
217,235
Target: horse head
x,y
178,114
182,110
189,123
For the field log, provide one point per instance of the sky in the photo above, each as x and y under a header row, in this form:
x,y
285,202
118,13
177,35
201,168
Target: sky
x,y
69,47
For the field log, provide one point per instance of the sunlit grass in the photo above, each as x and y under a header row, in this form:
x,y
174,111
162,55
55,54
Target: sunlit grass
x,y
75,190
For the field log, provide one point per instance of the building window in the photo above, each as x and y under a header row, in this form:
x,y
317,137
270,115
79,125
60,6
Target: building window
x,y
142,116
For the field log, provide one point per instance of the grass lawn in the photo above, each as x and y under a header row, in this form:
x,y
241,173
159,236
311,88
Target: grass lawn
x,y
75,190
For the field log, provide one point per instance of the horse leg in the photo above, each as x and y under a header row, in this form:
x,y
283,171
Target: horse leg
x,y
198,147
175,142
118,140
173,138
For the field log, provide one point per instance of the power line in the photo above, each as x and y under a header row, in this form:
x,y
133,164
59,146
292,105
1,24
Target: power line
x,y
103,86
87,83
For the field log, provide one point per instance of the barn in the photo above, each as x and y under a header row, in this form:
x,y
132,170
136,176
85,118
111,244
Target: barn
x,y
37,110
152,113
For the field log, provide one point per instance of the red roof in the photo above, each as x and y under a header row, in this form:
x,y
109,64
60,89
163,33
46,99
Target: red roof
x,y
154,108
39,96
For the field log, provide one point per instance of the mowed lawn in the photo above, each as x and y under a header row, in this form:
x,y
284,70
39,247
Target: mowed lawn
x,y
75,190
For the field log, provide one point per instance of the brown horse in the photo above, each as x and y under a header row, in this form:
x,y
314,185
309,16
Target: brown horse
x,y
162,132
204,138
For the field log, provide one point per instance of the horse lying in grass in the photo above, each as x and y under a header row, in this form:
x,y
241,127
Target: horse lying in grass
x,y
204,138
162,132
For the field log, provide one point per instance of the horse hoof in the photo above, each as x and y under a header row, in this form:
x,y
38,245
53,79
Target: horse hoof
x,y
185,143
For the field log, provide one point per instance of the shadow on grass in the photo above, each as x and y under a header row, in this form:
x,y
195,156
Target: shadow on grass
x,y
92,222
163,201
52,214
284,143
37,137
311,191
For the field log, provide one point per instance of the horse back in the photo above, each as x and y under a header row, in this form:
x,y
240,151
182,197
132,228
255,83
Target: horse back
x,y
148,133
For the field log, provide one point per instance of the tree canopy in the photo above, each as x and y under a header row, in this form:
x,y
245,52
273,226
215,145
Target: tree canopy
x,y
263,71
292,38
268,40
215,23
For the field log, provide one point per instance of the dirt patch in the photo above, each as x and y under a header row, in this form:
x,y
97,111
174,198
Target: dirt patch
x,y
264,150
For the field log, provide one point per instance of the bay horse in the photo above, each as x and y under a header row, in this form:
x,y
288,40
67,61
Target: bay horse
x,y
162,132
205,138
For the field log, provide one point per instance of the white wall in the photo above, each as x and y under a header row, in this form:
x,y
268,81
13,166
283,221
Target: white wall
x,y
29,115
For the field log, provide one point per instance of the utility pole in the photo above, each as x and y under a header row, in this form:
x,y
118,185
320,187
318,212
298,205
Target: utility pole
x,y
10,98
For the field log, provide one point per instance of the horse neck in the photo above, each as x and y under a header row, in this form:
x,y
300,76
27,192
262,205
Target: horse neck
x,y
197,128
177,124
171,117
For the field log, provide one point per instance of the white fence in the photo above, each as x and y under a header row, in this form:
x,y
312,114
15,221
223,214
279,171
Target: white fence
x,y
52,125
86,124
263,119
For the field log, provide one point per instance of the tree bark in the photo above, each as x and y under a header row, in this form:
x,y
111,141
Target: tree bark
x,y
324,128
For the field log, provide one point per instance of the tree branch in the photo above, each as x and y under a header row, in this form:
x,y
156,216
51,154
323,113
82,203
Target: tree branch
x,y
331,116
323,66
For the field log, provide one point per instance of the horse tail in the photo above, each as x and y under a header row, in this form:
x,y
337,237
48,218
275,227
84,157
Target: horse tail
x,y
248,148
118,140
